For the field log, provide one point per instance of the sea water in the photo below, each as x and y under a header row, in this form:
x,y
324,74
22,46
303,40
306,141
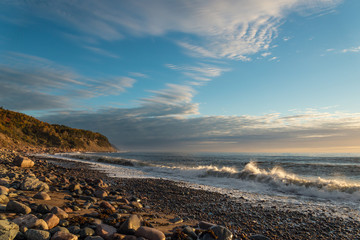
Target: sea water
x,y
329,184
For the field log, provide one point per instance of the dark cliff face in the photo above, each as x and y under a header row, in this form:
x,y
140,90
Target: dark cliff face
x,y
19,131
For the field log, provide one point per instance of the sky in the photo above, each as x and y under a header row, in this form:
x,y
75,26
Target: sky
x,y
200,75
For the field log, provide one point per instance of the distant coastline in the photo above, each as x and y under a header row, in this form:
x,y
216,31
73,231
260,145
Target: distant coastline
x,y
24,133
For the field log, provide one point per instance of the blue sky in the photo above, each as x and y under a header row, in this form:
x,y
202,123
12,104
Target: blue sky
x,y
239,76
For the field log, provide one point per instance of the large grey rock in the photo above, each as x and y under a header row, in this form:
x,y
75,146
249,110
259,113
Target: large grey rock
x,y
220,232
8,230
57,229
34,234
74,229
86,231
43,208
206,225
190,232
130,225
4,190
23,162
31,221
42,196
107,205
100,193
150,233
52,220
64,236
105,231
59,212
34,184
4,199
17,207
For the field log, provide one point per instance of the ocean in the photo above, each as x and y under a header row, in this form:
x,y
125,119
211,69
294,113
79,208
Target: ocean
x,y
329,185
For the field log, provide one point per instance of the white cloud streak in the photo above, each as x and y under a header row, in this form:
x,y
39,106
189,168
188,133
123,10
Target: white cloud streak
x,y
101,52
30,80
199,73
174,94
233,29
351,50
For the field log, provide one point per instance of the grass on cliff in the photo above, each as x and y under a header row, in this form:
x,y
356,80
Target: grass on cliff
x,y
20,128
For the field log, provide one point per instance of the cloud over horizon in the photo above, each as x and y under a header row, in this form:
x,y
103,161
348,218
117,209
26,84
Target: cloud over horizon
x,y
141,129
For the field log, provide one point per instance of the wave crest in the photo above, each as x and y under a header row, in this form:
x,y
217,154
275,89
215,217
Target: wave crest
x,y
278,177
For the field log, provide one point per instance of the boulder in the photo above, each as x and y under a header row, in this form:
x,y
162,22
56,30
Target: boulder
x,y
8,230
190,232
74,229
118,236
17,207
107,205
31,221
57,229
86,231
60,235
4,190
59,212
23,162
4,181
42,196
130,225
34,184
52,220
75,187
105,231
100,193
150,233
220,232
136,205
206,225
4,199
43,208
34,234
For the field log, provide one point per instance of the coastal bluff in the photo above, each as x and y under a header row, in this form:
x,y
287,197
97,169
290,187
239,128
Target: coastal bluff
x,y
19,131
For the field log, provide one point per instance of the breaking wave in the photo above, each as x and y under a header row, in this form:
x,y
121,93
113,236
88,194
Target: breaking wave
x,y
278,177
247,176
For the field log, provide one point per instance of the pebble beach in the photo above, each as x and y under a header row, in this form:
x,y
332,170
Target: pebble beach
x,y
43,198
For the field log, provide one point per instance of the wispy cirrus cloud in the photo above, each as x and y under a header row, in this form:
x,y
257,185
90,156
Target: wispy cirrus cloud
x,y
138,74
200,72
32,82
351,50
233,29
172,95
101,52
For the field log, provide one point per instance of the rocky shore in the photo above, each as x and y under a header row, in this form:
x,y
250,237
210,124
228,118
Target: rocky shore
x,y
45,199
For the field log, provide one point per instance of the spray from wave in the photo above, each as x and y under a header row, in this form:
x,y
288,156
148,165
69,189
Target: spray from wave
x,y
271,180
279,178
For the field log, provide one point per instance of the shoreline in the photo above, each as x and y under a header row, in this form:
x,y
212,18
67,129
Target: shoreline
x,y
166,200
204,205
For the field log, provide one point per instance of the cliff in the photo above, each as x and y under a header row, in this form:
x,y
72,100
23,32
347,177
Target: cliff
x,y
19,131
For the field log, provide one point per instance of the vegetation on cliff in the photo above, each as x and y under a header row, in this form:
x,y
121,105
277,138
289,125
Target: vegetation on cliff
x,y
18,130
